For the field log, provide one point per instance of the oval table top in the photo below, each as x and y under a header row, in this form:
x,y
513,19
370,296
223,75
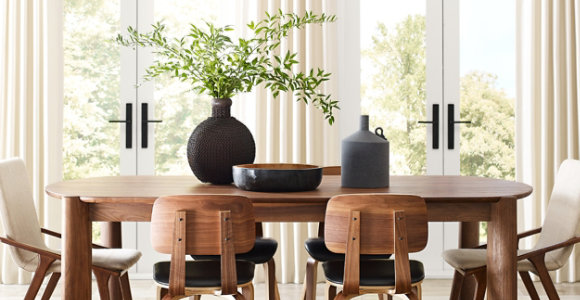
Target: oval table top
x,y
145,189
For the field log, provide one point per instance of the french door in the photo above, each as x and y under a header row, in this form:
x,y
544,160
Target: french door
x,y
420,60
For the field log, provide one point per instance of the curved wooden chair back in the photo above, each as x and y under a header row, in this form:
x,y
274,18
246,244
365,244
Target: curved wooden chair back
x,y
202,225
376,224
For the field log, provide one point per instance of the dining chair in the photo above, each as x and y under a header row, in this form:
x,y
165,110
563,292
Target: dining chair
x,y
556,240
374,224
203,225
24,236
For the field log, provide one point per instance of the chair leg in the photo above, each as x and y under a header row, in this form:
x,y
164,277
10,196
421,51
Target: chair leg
x,y
248,291
381,297
196,297
161,292
125,286
103,283
310,279
419,291
456,286
529,285
50,286
271,283
547,283
481,283
414,295
39,274
239,296
330,291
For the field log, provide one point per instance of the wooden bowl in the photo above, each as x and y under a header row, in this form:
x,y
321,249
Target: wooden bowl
x,y
277,177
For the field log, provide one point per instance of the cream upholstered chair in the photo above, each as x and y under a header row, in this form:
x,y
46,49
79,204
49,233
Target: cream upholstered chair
x,y
24,234
555,243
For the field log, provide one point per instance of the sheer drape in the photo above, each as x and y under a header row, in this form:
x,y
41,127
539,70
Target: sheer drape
x,y
547,113
289,131
31,103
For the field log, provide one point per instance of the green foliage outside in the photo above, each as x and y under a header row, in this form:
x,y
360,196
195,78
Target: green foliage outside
x,y
394,96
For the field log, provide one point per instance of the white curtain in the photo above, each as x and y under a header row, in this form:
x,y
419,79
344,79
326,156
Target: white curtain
x,y
31,104
289,131
547,127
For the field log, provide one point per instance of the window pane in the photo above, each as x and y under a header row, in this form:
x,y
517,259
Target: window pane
x,y
393,78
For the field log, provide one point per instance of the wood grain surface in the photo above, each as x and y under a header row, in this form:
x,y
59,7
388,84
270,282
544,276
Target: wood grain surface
x,y
145,189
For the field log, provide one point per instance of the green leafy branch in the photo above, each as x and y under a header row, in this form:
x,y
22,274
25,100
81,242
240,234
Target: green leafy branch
x,y
215,65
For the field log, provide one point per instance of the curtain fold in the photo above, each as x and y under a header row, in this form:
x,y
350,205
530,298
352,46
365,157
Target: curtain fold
x,y
288,131
31,105
547,108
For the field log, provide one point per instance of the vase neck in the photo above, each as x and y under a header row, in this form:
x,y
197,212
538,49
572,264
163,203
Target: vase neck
x,y
220,107
364,122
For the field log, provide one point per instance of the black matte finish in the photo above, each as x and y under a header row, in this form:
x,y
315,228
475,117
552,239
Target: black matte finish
x,y
365,158
317,250
378,272
435,127
277,180
145,124
128,125
451,126
263,251
203,273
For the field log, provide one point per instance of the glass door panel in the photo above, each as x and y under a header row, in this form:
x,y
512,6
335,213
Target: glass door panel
x,y
393,78
92,76
487,90
181,109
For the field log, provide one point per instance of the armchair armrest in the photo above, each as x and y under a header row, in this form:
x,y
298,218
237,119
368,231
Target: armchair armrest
x,y
520,236
30,248
529,233
58,235
544,250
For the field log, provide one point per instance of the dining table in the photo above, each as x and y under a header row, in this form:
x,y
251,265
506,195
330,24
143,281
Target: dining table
x,y
463,199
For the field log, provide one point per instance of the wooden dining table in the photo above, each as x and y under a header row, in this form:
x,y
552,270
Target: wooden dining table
x,y
449,199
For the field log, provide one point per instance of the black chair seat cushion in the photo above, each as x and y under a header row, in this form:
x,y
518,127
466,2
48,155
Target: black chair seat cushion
x,y
373,272
262,252
317,249
203,273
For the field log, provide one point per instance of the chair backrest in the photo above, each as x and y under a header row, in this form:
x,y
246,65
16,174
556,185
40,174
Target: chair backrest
x,y
375,224
563,213
18,212
377,234
203,223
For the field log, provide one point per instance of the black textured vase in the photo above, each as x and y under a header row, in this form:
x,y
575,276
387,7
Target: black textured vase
x,y
218,143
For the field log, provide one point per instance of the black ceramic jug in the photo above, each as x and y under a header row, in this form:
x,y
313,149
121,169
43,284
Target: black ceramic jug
x,y
365,158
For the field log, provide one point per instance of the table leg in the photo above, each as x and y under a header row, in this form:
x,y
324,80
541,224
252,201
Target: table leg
x,y
76,250
468,238
111,237
502,250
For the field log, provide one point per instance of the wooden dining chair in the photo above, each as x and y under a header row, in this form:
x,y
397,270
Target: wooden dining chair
x,y
203,225
556,240
374,224
28,249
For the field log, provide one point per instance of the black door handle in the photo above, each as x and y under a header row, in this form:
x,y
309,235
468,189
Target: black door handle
x,y
145,124
128,125
451,126
435,126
